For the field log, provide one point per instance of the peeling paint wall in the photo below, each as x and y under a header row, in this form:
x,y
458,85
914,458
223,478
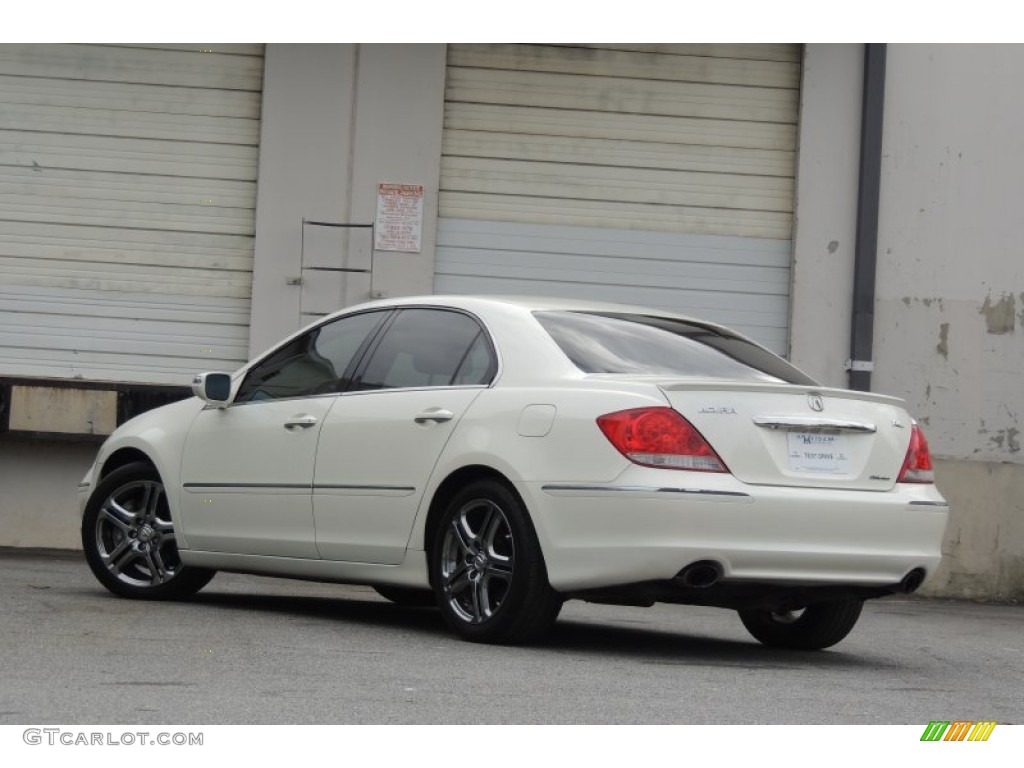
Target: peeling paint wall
x,y
999,317
949,311
950,270
950,293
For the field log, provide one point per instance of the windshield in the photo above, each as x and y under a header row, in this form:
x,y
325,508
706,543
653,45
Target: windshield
x,y
646,344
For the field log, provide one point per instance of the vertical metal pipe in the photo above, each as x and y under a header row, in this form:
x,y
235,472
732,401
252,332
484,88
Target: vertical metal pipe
x,y
865,256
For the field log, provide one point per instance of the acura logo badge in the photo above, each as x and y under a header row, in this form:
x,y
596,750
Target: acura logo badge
x,y
814,400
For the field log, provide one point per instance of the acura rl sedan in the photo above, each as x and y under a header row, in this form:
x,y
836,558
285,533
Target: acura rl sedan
x,y
496,457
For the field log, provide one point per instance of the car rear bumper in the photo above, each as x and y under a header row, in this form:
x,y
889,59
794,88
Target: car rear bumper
x,y
651,524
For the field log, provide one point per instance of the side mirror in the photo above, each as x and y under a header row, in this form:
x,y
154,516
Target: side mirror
x,y
213,388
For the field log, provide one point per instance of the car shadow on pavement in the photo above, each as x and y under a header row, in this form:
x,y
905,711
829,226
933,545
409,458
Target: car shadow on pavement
x,y
599,639
371,612
657,646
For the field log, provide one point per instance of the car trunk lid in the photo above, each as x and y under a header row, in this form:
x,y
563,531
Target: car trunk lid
x,y
795,435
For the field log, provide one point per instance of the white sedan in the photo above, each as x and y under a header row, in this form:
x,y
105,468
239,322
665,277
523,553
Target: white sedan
x,y
497,457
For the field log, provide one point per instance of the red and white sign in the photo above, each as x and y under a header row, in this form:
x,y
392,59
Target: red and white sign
x,y
399,225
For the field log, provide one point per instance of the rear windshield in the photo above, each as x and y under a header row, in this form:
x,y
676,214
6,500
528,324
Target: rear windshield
x,y
628,343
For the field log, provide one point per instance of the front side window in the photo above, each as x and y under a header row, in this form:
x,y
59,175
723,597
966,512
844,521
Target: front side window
x,y
647,344
311,364
430,348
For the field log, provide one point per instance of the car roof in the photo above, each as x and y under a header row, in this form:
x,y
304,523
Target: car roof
x,y
503,315
528,303
492,308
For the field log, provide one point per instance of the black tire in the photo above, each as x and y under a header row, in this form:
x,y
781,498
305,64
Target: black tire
x,y
407,597
817,626
487,568
128,538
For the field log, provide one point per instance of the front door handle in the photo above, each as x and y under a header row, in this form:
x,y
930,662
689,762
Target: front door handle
x,y
305,421
434,414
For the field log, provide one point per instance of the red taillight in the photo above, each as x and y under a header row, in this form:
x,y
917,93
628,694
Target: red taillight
x,y
917,467
659,437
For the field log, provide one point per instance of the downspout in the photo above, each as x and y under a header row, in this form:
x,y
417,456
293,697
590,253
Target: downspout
x,y
862,323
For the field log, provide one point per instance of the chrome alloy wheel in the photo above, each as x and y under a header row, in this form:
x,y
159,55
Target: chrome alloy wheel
x,y
134,535
477,561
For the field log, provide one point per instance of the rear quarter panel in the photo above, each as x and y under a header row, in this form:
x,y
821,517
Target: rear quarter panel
x,y
572,450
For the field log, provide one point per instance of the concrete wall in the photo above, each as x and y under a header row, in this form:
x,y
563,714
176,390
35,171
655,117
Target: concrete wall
x,y
983,556
39,481
951,274
338,120
950,296
950,283
305,148
398,129
826,211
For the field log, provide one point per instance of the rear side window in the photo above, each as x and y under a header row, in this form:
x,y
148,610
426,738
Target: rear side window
x,y
430,348
641,344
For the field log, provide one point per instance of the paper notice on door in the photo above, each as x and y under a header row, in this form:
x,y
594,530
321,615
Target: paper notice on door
x,y
399,223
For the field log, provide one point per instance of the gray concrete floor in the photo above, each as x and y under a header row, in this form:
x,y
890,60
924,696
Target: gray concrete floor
x,y
255,650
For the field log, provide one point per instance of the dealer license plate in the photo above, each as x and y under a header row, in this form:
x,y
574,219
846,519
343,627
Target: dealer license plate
x,y
818,453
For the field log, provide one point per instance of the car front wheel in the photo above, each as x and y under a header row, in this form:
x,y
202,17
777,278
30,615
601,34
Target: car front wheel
x,y
129,540
817,626
487,569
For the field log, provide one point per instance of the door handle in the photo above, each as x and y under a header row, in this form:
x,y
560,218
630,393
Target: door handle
x,y
304,421
434,414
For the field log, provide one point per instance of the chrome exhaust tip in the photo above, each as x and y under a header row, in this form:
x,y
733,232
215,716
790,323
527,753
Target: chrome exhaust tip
x,y
912,581
700,575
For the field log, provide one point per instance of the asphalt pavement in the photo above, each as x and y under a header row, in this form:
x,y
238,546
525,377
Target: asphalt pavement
x,y
255,650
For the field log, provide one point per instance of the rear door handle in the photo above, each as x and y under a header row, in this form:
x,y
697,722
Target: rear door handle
x,y
305,421
434,414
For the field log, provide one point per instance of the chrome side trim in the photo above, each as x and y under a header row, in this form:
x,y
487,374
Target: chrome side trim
x,y
575,489
364,490
403,490
927,504
320,396
439,388
238,486
409,488
804,424
347,394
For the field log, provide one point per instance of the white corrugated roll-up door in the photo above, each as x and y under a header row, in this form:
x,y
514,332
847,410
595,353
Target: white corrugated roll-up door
x,y
127,200
660,175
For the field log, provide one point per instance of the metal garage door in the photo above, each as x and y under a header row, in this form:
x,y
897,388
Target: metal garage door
x,y
652,174
127,197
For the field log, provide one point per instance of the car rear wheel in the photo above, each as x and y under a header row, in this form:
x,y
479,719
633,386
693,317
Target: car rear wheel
x,y
817,626
487,568
129,539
